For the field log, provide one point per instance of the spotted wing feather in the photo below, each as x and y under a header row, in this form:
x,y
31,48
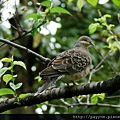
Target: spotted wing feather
x,y
68,62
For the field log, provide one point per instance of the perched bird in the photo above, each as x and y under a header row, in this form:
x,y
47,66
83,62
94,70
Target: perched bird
x,y
68,66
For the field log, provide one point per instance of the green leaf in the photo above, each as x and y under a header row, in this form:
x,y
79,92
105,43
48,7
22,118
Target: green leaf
x,y
110,26
117,3
5,91
93,27
92,2
34,32
101,96
17,86
36,24
3,70
70,0
107,16
59,10
38,78
94,99
46,3
80,4
36,27
39,105
110,38
20,63
46,102
34,16
6,59
7,78
114,46
105,46
12,85
23,95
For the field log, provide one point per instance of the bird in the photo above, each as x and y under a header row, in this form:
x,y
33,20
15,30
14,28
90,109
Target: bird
x,y
70,65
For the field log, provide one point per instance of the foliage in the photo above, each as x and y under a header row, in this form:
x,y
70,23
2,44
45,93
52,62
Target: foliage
x,y
94,98
10,78
113,43
73,19
94,3
40,18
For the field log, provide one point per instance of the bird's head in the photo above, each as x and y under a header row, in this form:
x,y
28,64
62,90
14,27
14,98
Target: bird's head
x,y
84,41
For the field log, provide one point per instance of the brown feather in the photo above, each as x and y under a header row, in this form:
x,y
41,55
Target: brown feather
x,y
69,65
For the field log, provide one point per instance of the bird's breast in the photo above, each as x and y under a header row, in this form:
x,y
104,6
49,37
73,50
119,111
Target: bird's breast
x,y
74,77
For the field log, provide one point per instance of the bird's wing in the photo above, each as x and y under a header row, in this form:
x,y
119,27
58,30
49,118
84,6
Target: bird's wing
x,y
72,61
67,62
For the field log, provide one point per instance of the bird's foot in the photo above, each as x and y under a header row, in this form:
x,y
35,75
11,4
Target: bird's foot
x,y
37,93
73,82
67,85
53,86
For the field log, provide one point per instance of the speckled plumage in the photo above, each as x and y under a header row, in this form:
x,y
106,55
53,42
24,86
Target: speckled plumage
x,y
70,65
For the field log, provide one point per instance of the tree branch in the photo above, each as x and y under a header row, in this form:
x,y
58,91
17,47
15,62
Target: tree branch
x,y
107,86
27,32
40,57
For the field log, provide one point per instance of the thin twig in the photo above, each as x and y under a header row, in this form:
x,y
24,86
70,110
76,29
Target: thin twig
x,y
3,2
111,97
76,99
16,18
84,104
119,18
40,57
98,104
84,110
99,64
34,2
94,71
66,103
90,104
104,59
54,105
97,68
25,33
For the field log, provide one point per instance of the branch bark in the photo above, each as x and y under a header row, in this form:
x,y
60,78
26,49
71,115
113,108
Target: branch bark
x,y
107,86
40,57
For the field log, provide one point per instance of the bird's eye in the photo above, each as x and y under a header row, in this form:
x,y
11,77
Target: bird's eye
x,y
84,39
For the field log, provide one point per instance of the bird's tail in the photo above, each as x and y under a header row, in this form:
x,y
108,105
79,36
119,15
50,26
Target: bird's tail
x,y
46,84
